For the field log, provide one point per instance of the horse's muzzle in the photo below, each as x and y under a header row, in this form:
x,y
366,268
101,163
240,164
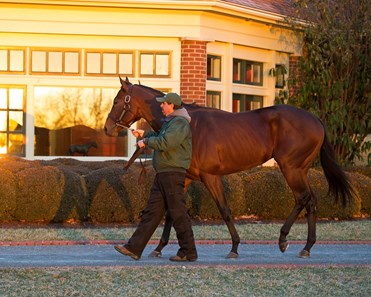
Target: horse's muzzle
x,y
112,131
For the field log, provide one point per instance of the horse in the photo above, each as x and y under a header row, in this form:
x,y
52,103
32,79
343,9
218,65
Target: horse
x,y
225,143
82,149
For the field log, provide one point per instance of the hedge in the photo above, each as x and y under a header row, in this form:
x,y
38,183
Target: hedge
x,y
62,190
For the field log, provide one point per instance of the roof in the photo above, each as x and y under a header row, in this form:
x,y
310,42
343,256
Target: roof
x,y
275,9
282,7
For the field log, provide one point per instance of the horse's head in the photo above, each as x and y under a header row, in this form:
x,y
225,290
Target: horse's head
x,y
123,112
132,103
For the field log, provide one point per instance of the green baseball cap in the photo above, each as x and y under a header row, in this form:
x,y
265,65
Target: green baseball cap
x,y
171,98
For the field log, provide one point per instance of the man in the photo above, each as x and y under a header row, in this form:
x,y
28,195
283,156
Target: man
x,y
171,158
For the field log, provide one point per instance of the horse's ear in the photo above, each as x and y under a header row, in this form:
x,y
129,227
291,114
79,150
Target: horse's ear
x,y
121,81
139,82
127,80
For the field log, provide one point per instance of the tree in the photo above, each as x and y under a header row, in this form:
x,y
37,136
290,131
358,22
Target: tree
x,y
335,73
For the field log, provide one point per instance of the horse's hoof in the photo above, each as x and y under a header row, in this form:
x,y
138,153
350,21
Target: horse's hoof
x,y
304,254
283,246
155,254
232,255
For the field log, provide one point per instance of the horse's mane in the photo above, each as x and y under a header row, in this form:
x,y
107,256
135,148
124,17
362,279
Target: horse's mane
x,y
191,106
195,107
152,89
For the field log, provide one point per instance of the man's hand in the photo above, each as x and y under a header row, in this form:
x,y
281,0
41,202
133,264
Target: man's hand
x,y
141,143
138,133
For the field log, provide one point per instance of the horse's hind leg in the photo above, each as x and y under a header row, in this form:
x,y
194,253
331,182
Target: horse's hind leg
x,y
311,220
298,182
214,184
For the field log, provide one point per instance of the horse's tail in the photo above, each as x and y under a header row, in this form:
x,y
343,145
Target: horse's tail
x,y
339,183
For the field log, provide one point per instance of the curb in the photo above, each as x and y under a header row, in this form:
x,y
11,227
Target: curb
x,y
112,242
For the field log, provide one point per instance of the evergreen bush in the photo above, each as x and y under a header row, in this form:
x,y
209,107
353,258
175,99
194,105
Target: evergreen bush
x,y
70,190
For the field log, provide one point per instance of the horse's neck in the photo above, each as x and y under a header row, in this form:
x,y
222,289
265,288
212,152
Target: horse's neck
x,y
153,119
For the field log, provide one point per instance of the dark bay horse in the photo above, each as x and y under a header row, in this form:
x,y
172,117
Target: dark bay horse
x,y
82,149
225,143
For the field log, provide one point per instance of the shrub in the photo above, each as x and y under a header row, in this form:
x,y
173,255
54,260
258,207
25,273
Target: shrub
x,y
68,189
39,193
8,195
362,185
116,196
267,195
326,205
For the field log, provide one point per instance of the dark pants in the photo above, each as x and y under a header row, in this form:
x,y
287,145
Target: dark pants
x,y
167,193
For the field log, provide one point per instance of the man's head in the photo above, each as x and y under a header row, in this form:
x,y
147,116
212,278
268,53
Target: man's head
x,y
169,102
171,98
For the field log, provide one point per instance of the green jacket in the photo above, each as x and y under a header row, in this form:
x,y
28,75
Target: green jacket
x,y
172,144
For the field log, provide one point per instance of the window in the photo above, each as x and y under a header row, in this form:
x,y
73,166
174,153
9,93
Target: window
x,y
12,120
154,64
12,60
213,99
243,102
214,67
69,120
55,61
111,63
247,72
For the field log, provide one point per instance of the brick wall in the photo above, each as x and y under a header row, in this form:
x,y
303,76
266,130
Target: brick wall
x,y
193,68
294,74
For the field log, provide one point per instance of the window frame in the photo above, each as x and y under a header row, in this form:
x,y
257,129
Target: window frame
x,y
7,109
243,98
154,61
214,93
210,71
242,69
14,48
101,53
47,51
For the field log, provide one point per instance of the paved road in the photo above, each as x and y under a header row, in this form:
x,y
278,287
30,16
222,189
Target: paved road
x,y
209,254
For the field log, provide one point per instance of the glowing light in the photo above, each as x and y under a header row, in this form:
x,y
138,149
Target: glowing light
x,y
3,149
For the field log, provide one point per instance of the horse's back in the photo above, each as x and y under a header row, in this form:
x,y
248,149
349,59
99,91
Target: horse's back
x,y
227,142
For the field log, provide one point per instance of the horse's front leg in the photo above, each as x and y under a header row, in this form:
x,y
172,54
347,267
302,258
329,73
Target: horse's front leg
x,y
214,184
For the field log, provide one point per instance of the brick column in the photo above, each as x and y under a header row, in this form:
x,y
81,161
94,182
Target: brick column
x,y
193,66
294,75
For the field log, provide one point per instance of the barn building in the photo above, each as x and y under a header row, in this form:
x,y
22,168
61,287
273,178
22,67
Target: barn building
x,y
60,62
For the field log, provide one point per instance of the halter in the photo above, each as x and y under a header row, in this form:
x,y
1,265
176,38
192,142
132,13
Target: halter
x,y
126,108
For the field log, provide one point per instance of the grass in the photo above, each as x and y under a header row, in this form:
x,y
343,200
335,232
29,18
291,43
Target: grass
x,y
182,281
187,280
327,230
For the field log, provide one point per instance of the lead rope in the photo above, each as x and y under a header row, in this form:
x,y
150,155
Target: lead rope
x,y
135,155
143,171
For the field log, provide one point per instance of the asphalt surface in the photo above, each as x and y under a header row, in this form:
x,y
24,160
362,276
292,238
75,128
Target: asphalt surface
x,y
250,255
